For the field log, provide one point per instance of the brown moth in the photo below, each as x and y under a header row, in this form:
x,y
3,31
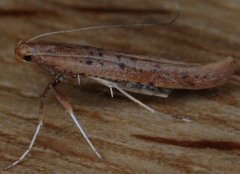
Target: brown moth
x,y
70,60
124,72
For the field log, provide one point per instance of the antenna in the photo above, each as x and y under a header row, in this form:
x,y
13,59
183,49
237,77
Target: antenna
x,y
110,26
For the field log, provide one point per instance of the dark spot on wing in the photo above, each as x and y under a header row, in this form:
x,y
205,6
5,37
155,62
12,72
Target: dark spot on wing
x,y
196,76
86,47
133,59
91,53
135,85
99,49
101,62
119,57
154,70
50,50
100,54
122,65
206,76
185,76
151,83
89,62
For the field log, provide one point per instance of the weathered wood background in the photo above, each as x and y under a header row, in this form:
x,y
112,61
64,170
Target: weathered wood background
x,y
131,139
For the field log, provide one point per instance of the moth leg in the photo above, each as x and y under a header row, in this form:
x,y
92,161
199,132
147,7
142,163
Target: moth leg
x,y
40,123
111,91
79,80
114,85
63,100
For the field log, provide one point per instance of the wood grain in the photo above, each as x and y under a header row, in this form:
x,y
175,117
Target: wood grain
x,y
131,139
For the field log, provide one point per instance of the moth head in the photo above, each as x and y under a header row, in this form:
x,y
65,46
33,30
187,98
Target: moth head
x,y
22,52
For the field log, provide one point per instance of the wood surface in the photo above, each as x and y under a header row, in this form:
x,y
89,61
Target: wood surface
x,y
130,139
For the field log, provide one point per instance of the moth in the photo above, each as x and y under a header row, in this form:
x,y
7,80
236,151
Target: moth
x,y
124,72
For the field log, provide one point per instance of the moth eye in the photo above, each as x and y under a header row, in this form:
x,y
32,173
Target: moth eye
x,y
27,58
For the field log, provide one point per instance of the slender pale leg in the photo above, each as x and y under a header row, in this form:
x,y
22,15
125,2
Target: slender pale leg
x,y
63,100
114,85
40,123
